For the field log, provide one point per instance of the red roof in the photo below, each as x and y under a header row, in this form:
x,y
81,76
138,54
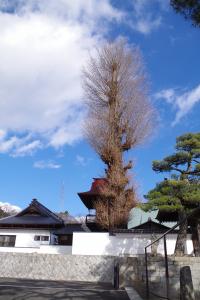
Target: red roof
x,y
97,185
96,188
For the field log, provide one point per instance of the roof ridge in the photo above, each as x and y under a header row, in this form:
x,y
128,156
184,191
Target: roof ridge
x,y
40,207
35,201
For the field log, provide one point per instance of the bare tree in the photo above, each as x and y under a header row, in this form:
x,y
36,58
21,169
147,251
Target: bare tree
x,y
119,118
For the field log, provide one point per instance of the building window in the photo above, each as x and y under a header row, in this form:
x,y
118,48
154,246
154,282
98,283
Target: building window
x,y
43,238
7,240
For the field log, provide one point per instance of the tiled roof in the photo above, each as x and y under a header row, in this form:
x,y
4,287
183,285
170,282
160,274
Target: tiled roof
x,y
95,191
137,217
17,220
69,229
35,214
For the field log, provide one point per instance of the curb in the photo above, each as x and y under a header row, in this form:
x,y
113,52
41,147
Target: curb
x,y
133,295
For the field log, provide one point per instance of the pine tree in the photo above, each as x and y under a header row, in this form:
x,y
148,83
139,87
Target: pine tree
x,y
190,9
3,214
181,192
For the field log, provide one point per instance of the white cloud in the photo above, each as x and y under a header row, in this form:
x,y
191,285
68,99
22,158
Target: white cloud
x,y
18,146
44,45
146,15
167,94
29,148
80,160
182,102
9,208
2,134
147,25
41,164
8,144
186,102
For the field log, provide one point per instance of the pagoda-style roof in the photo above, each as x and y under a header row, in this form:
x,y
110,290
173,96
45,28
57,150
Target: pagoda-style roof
x,y
89,198
35,215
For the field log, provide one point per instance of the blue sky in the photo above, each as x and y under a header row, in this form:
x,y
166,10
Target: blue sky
x,y
44,45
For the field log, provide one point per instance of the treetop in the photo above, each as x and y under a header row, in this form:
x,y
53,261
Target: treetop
x,y
189,142
186,159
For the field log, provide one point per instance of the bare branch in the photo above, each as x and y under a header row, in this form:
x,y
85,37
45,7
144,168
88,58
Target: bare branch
x,y
119,118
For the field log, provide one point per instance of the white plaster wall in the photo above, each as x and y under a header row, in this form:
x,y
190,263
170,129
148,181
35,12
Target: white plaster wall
x,y
20,249
89,243
171,243
48,249
55,249
189,244
25,237
103,244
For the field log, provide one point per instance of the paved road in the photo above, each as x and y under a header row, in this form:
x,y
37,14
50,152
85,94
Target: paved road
x,y
21,289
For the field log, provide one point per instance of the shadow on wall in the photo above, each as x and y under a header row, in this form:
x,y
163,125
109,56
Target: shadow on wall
x,y
121,245
157,278
133,272
128,264
35,289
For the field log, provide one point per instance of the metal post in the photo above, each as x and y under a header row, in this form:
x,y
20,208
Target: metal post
x,y
166,268
147,275
116,275
108,203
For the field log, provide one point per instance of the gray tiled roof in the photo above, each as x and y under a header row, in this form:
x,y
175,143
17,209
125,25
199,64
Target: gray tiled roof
x,y
69,229
35,214
25,220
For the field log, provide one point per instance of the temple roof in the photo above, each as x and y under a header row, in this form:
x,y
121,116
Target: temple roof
x,y
69,229
138,216
35,215
88,198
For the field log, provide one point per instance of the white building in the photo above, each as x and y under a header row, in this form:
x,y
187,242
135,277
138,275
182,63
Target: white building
x,y
36,227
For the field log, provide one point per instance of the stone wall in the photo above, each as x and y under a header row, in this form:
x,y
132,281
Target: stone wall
x,y
57,267
132,271
99,268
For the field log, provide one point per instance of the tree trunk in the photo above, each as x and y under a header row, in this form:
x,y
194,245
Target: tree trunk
x,y
196,239
182,236
154,247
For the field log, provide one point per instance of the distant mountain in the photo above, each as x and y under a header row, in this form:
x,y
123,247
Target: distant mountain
x,y
66,217
7,209
80,219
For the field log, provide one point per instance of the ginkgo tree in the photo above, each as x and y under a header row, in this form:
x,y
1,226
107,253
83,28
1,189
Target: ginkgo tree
x,y
119,117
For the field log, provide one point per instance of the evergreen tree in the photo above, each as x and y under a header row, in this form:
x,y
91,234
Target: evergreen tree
x,y
3,214
189,8
181,192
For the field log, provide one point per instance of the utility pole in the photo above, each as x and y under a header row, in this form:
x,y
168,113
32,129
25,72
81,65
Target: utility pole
x,y
62,197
